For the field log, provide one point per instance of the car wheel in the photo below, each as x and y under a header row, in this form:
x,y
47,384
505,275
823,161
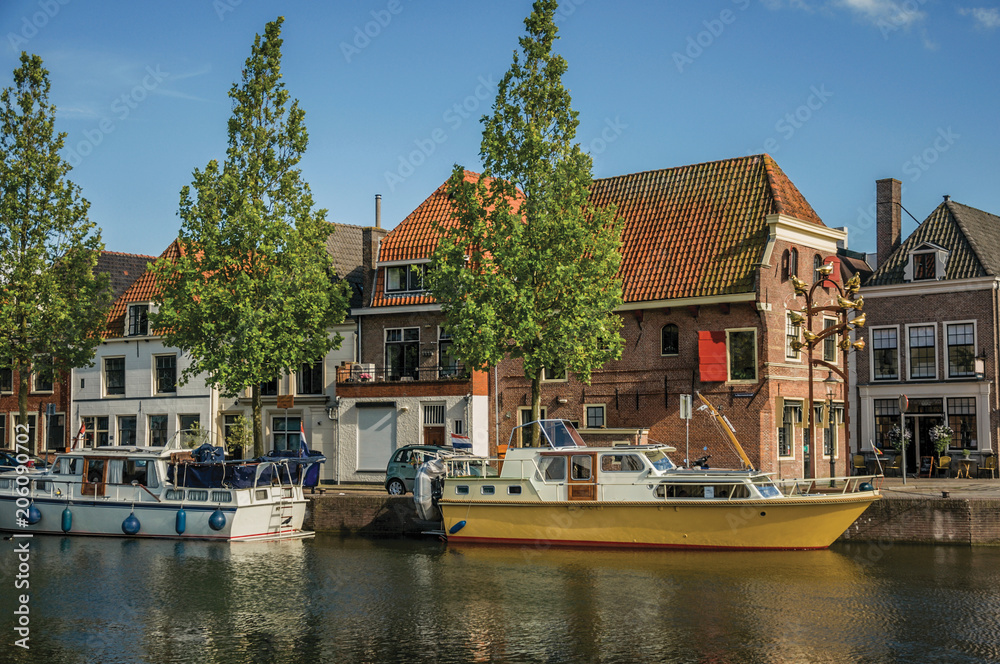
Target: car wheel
x,y
396,488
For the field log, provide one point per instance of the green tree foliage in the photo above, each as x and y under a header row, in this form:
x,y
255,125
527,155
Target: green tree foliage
x,y
253,294
528,266
52,306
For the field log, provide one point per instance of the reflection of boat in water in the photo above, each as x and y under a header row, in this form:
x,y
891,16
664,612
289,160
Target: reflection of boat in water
x,y
568,493
172,491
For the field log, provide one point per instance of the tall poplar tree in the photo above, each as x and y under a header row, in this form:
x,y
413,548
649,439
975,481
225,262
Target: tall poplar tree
x,y
253,294
52,306
527,268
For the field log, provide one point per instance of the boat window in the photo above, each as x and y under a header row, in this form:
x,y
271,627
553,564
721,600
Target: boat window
x,y
116,471
768,490
222,497
4,484
619,462
135,471
552,468
175,494
582,466
462,490
43,485
95,470
261,494
69,466
488,490
513,491
660,460
197,494
286,493
152,479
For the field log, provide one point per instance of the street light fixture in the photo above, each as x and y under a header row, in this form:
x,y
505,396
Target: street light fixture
x,y
843,305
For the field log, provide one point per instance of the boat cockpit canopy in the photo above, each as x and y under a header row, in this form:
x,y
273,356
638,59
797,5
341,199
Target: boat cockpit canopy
x,y
555,433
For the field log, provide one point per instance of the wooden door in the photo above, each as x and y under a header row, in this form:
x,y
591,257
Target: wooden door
x,y
582,477
94,476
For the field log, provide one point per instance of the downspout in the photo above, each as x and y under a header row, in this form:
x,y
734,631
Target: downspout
x,y
496,406
996,360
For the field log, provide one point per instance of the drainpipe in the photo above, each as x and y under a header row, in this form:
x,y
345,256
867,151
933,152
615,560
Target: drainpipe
x,y
496,406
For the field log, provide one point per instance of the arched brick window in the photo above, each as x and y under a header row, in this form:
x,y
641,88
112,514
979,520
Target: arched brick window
x,y
668,340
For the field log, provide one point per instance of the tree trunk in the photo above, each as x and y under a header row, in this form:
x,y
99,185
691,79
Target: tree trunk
x,y
258,428
536,408
23,385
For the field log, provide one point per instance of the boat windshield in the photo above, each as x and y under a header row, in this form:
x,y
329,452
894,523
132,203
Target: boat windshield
x,y
558,434
660,460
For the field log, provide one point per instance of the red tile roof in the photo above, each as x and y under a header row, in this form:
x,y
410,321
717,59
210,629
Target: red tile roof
x,y
690,231
144,289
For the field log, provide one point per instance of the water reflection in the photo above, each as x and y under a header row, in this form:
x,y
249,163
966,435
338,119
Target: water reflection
x,y
357,600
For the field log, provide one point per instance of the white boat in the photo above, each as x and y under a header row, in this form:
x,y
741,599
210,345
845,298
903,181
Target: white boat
x,y
569,493
172,491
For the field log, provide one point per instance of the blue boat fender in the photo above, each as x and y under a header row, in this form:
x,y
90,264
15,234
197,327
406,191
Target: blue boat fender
x,y
180,523
457,527
67,520
130,526
34,514
217,521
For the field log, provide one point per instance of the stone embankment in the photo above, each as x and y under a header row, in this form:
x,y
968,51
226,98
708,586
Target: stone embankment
x,y
924,511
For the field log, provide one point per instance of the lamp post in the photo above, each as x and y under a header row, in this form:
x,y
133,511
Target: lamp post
x,y
830,381
842,329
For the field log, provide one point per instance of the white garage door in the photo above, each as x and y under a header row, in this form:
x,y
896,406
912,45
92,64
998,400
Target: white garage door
x,y
376,438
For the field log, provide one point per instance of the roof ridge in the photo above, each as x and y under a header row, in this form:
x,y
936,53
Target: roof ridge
x,y
677,168
122,253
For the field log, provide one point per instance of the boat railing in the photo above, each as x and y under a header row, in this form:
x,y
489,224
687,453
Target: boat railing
x,y
825,485
50,486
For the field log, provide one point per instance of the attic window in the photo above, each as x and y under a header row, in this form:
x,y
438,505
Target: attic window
x,y
138,319
923,266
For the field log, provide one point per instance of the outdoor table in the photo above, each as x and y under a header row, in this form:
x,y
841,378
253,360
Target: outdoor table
x,y
964,466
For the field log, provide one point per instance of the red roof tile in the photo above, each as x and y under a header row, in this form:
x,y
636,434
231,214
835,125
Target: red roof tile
x,y
144,289
690,231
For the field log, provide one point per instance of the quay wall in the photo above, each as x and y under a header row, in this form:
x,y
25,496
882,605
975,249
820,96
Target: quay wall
x,y
905,520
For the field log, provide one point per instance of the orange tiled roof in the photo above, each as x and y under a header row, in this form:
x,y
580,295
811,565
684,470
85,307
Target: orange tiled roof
x,y
144,289
690,231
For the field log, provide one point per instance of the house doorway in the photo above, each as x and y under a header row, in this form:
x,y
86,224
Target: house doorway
x,y
921,445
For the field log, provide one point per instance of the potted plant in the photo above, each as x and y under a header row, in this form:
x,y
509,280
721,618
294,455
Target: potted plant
x,y
898,442
966,453
940,436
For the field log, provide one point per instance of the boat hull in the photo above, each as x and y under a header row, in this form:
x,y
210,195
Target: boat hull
x,y
813,522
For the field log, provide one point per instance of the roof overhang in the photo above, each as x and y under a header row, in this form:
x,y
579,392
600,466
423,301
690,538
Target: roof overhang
x,y
931,287
401,309
688,301
795,231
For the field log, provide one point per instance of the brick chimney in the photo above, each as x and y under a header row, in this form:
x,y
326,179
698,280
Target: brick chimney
x,y
888,217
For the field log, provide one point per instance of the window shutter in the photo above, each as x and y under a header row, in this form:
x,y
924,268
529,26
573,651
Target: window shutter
x,y
779,411
835,275
712,356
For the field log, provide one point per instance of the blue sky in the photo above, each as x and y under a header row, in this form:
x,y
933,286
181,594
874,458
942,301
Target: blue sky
x,y
839,92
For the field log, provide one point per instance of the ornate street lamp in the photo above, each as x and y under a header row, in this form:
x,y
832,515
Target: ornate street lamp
x,y
812,339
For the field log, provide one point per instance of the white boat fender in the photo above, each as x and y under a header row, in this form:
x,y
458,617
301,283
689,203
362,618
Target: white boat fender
x,y
130,526
423,489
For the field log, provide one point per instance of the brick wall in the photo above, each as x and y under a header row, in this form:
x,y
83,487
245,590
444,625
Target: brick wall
x,y
36,406
935,520
372,514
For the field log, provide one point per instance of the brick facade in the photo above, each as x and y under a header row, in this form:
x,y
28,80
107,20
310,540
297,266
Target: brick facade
x,y
37,403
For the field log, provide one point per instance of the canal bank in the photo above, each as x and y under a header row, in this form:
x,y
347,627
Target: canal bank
x,y
924,511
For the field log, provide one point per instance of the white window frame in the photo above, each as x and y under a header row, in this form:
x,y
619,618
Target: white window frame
x,y
34,384
564,378
156,378
408,268
937,346
104,377
604,415
794,426
836,354
439,407
790,355
871,355
756,359
128,319
975,346
837,406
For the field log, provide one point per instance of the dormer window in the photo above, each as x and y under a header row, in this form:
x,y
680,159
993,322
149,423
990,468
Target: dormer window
x,y
138,320
923,266
926,262
403,278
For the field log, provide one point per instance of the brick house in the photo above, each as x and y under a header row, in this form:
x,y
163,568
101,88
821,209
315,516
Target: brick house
x,y
131,395
708,255
50,433
932,313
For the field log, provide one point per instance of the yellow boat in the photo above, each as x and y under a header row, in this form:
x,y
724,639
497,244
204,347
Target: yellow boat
x,y
566,493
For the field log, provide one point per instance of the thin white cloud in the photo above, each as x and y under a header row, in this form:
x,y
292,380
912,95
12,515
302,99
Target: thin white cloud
x,y
879,12
986,18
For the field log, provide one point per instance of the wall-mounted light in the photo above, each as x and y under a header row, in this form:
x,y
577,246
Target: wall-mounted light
x,y
404,409
562,400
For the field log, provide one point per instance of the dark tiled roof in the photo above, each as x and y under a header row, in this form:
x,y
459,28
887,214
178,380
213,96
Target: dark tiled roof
x,y
123,269
971,236
345,244
690,231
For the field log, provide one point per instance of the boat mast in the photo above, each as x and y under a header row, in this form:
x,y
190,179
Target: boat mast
x,y
728,428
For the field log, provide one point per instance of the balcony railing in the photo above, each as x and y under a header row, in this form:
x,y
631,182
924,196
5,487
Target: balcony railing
x,y
366,373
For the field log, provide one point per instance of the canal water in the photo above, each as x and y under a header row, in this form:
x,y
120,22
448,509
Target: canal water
x,y
333,599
